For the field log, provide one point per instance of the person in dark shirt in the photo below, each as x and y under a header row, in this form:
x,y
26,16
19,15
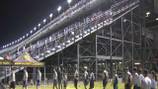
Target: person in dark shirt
x,y
59,78
115,82
92,78
105,78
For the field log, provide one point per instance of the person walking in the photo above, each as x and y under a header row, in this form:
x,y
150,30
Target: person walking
x,y
25,79
92,78
146,82
39,76
13,81
76,78
115,82
85,77
55,79
128,80
153,80
140,78
59,78
105,78
65,80
135,78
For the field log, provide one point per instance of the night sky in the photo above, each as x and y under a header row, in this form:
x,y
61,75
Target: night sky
x,y
17,17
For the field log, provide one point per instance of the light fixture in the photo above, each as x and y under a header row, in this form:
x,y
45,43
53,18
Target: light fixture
x,y
156,19
48,51
31,31
34,28
44,21
53,49
51,15
59,8
27,35
147,14
39,25
12,43
125,20
23,37
69,1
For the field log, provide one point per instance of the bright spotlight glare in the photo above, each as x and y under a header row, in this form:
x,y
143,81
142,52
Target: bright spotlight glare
x,y
59,8
69,1
44,21
39,25
51,15
34,28
147,14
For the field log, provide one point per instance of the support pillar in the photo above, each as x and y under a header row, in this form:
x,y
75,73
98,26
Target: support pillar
x,y
96,62
78,58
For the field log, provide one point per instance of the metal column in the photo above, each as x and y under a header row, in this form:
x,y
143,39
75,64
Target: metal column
x,y
78,58
111,64
132,39
96,62
123,45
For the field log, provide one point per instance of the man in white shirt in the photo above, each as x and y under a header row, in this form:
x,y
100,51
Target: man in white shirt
x,y
135,78
39,76
140,78
86,78
146,82
25,79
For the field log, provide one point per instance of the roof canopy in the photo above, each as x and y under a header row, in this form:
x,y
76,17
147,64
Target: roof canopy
x,y
27,61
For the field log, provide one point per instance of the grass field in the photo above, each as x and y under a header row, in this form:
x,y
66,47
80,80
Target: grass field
x,y
98,85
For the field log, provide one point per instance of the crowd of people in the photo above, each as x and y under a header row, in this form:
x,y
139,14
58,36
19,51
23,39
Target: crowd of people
x,y
137,79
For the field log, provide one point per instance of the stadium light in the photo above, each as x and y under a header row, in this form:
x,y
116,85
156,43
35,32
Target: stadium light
x,y
51,15
34,28
27,35
23,37
39,25
53,49
50,38
156,19
31,31
44,21
147,14
59,8
48,51
125,20
69,1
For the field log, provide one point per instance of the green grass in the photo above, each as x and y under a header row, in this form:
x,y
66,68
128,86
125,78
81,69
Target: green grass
x,y
98,85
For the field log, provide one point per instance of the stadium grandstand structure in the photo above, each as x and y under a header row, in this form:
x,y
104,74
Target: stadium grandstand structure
x,y
93,33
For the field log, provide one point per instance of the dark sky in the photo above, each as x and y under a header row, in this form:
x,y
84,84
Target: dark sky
x,y
20,16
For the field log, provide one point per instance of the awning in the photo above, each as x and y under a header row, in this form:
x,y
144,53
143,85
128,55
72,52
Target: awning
x,y
26,60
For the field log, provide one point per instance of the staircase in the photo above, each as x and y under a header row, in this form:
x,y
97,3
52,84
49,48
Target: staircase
x,y
70,35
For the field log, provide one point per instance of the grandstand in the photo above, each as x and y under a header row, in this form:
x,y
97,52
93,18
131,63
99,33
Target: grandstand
x,y
99,34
